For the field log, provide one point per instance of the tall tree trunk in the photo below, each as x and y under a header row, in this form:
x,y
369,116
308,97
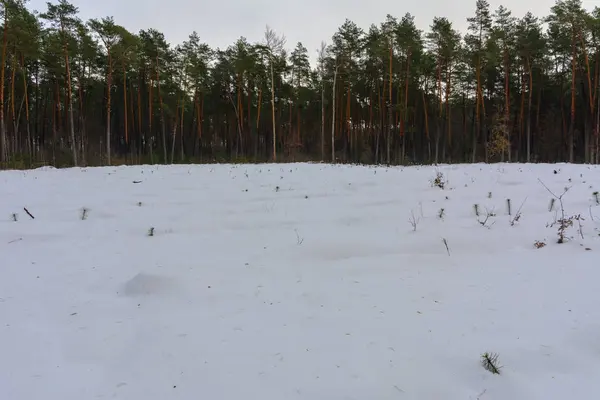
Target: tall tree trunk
x,y
26,95
477,113
588,147
572,124
529,105
333,116
162,113
322,120
597,133
131,122
13,113
3,141
139,107
181,121
273,110
258,106
426,123
108,106
150,117
405,116
174,134
82,130
125,119
390,116
440,112
70,100
448,113
507,124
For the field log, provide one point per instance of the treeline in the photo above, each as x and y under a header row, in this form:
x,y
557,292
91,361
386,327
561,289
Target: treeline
x,y
509,89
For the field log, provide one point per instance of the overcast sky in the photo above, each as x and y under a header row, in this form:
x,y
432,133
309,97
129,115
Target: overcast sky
x,y
220,23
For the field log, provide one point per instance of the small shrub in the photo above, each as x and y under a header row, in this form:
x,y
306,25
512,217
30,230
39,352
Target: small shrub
x,y
14,217
596,198
84,213
441,213
539,245
151,231
489,361
563,222
439,180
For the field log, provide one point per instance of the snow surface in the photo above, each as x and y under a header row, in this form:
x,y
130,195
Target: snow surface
x,y
296,281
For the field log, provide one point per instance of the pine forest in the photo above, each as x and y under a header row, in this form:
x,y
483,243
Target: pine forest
x,y
509,89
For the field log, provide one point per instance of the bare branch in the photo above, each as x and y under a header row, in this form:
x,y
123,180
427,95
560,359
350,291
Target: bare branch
x,y
275,43
552,193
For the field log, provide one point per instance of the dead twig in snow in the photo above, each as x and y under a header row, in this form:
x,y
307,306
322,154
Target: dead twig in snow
x,y
446,244
28,213
592,215
299,240
488,214
579,218
414,221
517,216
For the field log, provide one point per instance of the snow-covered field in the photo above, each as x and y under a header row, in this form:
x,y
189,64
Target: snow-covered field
x,y
297,281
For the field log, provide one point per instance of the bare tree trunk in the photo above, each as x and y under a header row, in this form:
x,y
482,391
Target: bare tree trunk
x,y
426,117
273,110
572,124
333,117
162,114
274,44
597,131
108,108
530,95
322,120
125,119
174,135
181,123
3,143
388,140
70,98
507,104
17,141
